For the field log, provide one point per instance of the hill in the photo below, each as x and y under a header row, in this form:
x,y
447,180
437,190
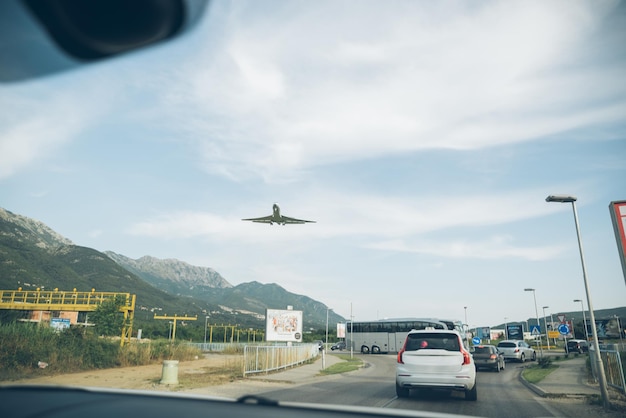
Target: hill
x,y
34,256
179,278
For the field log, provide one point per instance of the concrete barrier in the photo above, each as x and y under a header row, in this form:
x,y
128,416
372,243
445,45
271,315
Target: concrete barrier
x,y
169,375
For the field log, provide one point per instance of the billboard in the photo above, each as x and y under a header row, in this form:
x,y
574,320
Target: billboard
x,y
283,325
606,328
59,324
514,332
341,330
618,218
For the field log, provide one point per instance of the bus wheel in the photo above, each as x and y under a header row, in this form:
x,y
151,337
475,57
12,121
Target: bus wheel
x,y
365,349
375,349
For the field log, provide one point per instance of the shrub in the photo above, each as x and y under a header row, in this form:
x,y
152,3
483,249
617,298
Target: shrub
x,y
545,362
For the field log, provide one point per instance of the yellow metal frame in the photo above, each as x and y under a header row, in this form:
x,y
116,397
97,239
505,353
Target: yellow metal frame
x,y
59,300
176,318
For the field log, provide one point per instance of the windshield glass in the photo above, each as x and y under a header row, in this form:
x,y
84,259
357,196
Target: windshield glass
x,y
253,188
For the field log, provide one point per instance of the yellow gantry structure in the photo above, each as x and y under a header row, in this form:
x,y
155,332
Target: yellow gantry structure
x,y
59,300
176,318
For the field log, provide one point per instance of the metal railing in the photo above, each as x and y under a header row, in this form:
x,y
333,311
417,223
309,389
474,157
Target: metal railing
x,y
612,368
257,359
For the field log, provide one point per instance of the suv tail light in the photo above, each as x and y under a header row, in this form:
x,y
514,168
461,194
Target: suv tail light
x,y
493,356
402,351
467,357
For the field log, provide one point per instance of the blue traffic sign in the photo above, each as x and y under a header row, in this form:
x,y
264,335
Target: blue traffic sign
x,y
475,340
535,330
563,329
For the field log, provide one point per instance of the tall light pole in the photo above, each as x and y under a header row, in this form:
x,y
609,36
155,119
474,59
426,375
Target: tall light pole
x,y
619,329
596,345
506,328
552,325
582,308
545,324
528,289
206,321
466,327
327,309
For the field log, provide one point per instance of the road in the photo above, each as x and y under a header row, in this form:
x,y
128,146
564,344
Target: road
x,y
499,394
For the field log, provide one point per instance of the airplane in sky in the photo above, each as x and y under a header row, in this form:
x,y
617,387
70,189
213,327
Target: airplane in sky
x,y
276,217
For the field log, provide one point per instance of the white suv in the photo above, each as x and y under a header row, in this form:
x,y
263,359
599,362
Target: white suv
x,y
435,359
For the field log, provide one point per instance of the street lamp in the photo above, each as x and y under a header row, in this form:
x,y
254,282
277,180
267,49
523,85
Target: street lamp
x,y
466,327
206,320
537,318
506,328
596,345
545,323
326,341
582,308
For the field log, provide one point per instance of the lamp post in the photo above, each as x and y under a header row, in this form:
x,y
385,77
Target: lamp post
x,y
466,327
619,329
551,326
528,289
582,308
206,321
600,366
545,324
326,341
506,328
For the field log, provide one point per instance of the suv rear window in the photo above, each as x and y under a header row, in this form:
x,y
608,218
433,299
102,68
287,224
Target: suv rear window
x,y
431,341
482,350
503,344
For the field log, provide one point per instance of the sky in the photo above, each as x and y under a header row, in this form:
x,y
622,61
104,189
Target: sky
x,y
422,137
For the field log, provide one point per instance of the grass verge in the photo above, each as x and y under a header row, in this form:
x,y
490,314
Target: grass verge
x,y
535,374
347,365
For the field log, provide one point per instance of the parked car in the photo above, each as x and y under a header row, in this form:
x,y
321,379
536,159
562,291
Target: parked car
x,y
577,346
341,345
517,350
488,357
435,359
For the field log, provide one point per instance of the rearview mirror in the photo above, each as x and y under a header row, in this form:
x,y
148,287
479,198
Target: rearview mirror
x,y
41,37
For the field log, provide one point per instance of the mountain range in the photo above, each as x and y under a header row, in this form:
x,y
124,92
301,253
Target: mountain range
x,y
32,256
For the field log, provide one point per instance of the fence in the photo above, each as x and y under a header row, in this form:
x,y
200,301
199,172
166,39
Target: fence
x,y
218,347
612,368
258,359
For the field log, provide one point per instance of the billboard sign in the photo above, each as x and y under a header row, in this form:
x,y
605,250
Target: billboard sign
x,y
59,324
618,218
514,332
283,325
483,333
341,330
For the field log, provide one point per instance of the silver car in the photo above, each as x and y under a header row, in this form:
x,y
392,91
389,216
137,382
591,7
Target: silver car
x,y
435,359
517,350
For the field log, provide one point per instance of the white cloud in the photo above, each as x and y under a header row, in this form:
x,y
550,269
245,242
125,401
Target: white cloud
x,y
281,94
496,247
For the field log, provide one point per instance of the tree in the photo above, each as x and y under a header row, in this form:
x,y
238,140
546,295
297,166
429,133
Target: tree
x,y
107,318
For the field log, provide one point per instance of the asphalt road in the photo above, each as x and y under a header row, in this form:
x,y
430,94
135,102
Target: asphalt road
x,y
499,394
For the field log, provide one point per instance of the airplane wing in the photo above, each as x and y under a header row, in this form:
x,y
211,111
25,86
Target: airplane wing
x,y
288,220
263,220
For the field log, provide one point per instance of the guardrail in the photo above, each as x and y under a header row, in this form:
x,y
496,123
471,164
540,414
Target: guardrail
x,y
258,359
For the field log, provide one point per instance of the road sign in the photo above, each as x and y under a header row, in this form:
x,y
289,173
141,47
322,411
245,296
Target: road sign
x,y
535,330
563,329
475,340
561,319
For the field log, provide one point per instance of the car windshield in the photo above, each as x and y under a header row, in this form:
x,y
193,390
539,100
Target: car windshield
x,y
209,197
483,350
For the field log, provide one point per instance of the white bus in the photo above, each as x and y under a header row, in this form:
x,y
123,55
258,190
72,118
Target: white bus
x,y
388,335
